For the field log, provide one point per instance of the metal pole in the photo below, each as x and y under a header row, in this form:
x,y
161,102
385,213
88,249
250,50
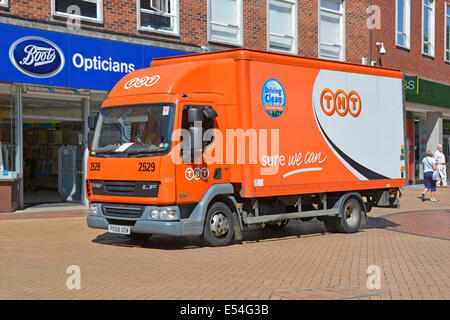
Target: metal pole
x,y
19,142
86,111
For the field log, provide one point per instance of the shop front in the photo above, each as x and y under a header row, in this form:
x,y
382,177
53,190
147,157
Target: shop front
x,y
49,84
427,122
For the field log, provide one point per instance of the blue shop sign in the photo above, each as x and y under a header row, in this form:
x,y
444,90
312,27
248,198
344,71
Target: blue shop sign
x,y
64,60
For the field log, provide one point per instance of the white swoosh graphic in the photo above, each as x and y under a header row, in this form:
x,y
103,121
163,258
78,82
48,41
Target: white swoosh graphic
x,y
300,171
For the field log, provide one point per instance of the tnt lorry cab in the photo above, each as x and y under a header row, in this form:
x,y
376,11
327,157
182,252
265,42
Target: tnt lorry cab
x,y
213,144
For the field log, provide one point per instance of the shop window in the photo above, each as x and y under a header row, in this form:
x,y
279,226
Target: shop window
x,y
447,31
158,16
225,21
282,26
332,30
90,10
402,22
428,24
8,132
3,3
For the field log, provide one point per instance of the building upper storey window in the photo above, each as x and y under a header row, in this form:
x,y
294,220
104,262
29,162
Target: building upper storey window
x,y
158,16
225,21
428,27
447,31
332,29
282,26
89,10
403,23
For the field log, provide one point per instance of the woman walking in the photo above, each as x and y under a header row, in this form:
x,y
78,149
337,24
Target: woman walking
x,y
429,166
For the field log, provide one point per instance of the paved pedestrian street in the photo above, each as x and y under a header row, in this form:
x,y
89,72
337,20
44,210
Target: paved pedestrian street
x,y
402,254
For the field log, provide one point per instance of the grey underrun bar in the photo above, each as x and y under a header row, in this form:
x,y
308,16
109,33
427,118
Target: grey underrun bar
x,y
295,215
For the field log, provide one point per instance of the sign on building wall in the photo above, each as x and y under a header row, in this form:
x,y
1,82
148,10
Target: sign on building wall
x,y
58,59
426,92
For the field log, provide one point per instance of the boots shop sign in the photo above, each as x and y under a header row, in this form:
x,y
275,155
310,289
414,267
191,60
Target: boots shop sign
x,y
66,60
36,57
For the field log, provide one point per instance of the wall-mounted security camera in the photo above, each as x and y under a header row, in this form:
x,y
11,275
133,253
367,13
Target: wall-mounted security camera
x,y
382,49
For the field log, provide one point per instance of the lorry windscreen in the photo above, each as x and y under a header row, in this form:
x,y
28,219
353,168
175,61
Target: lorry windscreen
x,y
134,130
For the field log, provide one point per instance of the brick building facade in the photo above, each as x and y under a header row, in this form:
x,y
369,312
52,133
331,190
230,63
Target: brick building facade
x,y
102,40
122,18
415,35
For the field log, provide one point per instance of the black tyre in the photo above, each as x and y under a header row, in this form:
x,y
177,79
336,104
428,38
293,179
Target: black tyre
x,y
350,219
330,223
219,225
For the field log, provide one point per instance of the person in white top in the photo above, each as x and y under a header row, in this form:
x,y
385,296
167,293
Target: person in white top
x,y
440,161
429,165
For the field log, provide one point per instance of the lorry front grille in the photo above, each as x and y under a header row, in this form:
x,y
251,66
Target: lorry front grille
x,y
112,187
125,211
125,188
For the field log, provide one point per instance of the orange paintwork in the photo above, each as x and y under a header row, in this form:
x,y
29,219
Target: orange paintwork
x,y
231,82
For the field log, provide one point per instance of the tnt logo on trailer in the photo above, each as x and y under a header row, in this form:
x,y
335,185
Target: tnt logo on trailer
x,y
340,102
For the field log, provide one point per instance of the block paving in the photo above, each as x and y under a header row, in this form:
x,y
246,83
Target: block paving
x,y
409,246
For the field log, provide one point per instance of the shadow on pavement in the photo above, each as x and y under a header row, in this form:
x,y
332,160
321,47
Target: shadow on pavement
x,y
379,223
154,242
293,229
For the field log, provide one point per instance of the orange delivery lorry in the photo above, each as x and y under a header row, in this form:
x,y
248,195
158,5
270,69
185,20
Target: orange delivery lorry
x,y
213,144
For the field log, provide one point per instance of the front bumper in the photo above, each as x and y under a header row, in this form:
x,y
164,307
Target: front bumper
x,y
144,224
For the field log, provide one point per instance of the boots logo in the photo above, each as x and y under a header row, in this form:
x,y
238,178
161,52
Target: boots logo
x,y
139,82
36,57
341,102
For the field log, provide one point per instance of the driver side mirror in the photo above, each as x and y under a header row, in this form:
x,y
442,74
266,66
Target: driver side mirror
x,y
92,120
90,139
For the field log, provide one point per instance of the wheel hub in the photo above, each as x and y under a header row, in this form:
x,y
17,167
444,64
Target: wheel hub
x,y
219,224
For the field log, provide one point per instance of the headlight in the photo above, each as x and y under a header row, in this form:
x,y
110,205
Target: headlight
x,y
163,214
168,214
93,210
155,214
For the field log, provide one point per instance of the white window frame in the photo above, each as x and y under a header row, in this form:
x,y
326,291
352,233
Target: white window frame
x,y
446,25
343,44
175,15
240,37
4,3
431,30
294,37
67,15
406,24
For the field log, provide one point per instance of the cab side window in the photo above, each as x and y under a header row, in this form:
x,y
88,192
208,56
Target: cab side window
x,y
207,124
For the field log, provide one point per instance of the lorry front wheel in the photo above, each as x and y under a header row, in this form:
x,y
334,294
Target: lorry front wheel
x,y
219,225
350,219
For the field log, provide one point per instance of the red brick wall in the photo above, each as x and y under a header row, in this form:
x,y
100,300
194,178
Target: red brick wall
x,y
255,26
120,17
357,32
412,61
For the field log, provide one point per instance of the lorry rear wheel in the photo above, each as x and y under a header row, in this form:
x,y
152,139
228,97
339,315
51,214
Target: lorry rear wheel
x,y
350,220
330,223
219,225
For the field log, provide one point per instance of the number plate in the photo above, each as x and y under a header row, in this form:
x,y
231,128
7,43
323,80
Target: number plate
x,y
119,229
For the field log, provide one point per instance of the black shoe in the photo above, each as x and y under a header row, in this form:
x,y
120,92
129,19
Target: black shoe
x,y
423,196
